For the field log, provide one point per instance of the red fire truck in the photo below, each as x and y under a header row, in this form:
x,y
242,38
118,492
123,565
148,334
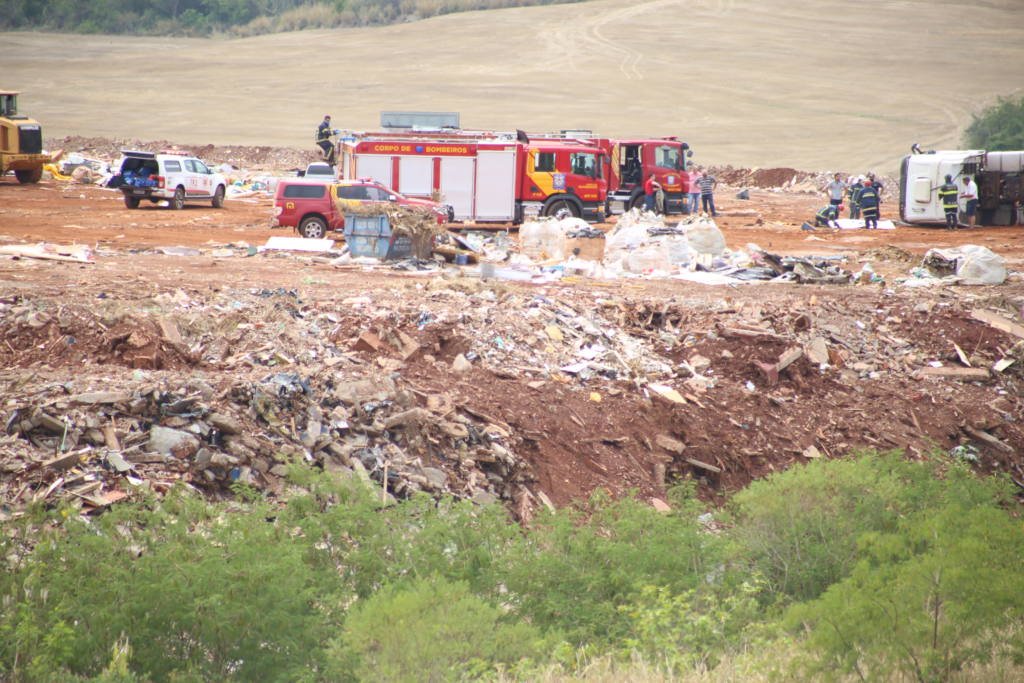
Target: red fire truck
x,y
484,176
629,162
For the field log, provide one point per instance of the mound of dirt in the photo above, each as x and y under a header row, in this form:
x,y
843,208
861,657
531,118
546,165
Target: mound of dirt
x,y
252,158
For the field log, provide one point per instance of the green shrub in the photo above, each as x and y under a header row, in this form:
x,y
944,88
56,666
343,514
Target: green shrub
x,y
999,127
428,630
195,589
574,569
800,528
941,592
693,630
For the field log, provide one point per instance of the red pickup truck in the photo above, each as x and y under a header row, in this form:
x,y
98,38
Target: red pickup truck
x,y
311,206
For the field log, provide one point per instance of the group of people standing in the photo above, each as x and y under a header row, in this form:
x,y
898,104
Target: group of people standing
x,y
701,194
864,194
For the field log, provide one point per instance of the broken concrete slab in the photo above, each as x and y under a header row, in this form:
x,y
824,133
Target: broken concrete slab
x,y
173,442
965,374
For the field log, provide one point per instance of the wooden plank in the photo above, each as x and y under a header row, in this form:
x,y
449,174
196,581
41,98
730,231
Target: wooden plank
x,y
703,465
999,322
989,439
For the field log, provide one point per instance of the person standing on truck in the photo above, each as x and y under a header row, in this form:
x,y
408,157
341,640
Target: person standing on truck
x,y
707,192
970,197
853,194
651,187
323,139
869,204
836,189
948,195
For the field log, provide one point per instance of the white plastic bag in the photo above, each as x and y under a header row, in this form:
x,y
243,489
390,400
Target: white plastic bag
x,y
706,238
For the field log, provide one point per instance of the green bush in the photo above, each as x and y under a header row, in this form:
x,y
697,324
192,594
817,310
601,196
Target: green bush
x,y
195,589
800,528
428,630
574,569
693,630
998,128
941,592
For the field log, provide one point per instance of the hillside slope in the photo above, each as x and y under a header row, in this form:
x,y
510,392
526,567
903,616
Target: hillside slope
x,y
834,84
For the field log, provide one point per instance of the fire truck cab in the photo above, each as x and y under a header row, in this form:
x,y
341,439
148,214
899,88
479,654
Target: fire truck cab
x,y
628,163
632,161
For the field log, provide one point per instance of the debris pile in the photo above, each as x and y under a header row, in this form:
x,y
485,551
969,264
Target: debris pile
x,y
483,391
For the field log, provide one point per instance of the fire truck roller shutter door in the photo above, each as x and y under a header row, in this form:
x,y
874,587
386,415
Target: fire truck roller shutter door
x,y
416,176
375,166
495,185
457,174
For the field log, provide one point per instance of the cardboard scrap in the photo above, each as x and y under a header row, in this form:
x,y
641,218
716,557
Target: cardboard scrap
x,y
77,253
667,393
999,322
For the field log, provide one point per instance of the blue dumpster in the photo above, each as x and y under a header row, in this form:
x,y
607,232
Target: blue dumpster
x,y
372,236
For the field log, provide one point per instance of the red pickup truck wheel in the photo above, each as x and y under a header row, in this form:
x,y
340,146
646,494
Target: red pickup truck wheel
x,y
313,227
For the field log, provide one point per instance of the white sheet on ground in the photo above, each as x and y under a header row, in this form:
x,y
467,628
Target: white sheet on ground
x,y
858,224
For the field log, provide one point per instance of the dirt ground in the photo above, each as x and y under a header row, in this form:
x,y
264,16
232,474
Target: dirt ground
x,y
512,423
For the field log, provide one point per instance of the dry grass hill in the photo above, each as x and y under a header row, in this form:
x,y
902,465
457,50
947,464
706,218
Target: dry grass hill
x,y
826,84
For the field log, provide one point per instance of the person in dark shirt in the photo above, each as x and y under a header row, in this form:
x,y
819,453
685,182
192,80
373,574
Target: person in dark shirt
x,y
323,139
827,215
869,204
949,195
853,194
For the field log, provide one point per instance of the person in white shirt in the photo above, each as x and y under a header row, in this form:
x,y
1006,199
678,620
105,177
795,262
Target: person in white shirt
x,y
835,190
969,195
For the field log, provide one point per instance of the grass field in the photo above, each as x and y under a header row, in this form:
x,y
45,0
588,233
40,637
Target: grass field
x,y
828,84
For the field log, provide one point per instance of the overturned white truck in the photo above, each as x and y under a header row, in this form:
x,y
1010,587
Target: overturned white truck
x,y
997,174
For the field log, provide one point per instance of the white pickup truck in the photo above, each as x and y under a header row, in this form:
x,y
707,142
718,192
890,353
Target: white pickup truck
x,y
169,176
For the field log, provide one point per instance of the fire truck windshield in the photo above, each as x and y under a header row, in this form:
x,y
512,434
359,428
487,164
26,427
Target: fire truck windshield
x,y
667,156
585,163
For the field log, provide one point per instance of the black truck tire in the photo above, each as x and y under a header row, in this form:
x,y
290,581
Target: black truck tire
x,y
178,202
313,227
218,197
30,176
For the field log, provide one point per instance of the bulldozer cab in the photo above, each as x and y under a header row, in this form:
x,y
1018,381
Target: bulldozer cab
x,y
21,141
8,104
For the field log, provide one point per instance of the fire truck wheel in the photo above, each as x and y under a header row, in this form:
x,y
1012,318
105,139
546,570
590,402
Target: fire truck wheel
x,y
178,203
218,197
131,202
313,228
561,208
31,176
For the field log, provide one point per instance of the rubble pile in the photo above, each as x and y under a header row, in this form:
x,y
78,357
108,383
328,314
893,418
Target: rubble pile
x,y
783,179
485,391
240,156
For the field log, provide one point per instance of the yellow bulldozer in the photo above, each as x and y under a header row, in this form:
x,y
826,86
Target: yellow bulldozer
x,y
21,142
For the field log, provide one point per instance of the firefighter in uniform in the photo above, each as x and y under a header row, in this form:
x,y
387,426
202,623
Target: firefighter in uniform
x,y
949,194
323,139
869,201
826,217
853,194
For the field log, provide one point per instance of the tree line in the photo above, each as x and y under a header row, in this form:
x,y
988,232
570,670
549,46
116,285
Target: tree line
x,y
229,17
870,567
